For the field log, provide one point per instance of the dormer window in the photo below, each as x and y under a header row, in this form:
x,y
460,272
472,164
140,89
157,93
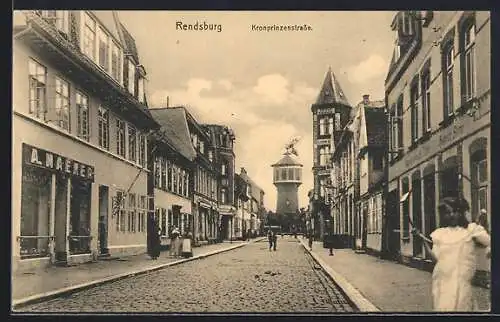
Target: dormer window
x,y
131,77
405,22
210,156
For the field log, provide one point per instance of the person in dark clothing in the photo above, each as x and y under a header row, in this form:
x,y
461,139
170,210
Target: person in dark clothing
x,y
310,241
270,239
155,253
275,240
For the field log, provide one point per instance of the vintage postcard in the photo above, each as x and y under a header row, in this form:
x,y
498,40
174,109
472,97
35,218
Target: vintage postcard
x,y
301,162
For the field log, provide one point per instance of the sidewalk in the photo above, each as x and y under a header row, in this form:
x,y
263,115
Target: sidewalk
x,y
390,286
52,279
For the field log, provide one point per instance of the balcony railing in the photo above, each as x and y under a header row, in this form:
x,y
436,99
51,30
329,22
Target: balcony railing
x,y
79,244
34,246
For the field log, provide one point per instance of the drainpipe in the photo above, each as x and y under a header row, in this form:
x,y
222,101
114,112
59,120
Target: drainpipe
x,y
385,181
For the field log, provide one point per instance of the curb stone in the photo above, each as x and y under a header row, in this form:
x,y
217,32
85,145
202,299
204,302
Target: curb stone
x,y
42,297
361,302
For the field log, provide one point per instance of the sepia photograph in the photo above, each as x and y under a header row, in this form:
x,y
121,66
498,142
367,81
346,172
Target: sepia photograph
x,y
250,162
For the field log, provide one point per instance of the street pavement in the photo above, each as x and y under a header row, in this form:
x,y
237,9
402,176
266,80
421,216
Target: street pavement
x,y
54,278
246,279
390,286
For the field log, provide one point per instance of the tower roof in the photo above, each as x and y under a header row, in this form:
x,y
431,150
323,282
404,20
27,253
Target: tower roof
x,y
331,92
287,159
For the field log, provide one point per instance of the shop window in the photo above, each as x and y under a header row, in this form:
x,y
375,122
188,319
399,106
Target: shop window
x,y
80,217
480,183
416,195
142,210
38,89
35,210
121,211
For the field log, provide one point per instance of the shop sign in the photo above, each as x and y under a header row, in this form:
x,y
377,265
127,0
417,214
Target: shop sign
x,y
51,161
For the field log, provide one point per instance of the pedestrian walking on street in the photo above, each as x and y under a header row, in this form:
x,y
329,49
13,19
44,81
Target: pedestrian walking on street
x,y
275,241
310,242
174,242
270,238
453,248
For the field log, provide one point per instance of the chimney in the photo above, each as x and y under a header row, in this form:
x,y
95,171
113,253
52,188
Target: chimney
x,y
243,170
168,101
366,99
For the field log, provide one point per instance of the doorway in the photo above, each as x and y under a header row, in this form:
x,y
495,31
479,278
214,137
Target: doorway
x,y
225,227
103,220
417,213
393,225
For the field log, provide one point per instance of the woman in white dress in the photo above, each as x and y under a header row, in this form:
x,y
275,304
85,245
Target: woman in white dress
x,y
453,249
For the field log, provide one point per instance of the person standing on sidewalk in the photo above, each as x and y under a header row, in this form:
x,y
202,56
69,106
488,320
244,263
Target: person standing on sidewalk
x,y
155,253
453,249
310,241
275,240
174,239
270,238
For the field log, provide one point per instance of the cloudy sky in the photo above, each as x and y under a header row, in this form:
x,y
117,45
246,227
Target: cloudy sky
x,y
262,84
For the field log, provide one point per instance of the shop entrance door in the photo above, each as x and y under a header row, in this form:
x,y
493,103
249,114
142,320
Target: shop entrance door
x,y
393,225
103,220
61,221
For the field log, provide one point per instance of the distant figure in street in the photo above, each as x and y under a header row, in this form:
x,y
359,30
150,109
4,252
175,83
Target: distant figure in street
x,y
174,242
155,253
453,248
310,241
270,238
275,240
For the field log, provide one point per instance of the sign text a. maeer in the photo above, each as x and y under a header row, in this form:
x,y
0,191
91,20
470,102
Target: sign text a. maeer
x,y
55,162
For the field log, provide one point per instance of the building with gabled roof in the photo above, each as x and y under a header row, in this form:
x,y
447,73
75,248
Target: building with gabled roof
x,y
331,112
80,141
173,172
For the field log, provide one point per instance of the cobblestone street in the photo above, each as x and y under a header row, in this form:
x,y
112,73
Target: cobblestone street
x,y
248,279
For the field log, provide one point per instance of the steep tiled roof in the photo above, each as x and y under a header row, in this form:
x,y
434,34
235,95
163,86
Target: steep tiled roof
x,y
174,124
255,188
129,43
375,126
110,20
287,159
331,92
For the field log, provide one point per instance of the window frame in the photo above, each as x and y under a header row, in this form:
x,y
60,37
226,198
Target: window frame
x,y
89,25
35,92
103,124
121,137
83,125
448,65
426,101
468,55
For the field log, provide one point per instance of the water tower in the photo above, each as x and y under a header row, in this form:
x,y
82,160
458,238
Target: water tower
x,y
287,177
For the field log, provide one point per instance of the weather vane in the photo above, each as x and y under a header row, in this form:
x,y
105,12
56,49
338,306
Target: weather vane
x,y
290,146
